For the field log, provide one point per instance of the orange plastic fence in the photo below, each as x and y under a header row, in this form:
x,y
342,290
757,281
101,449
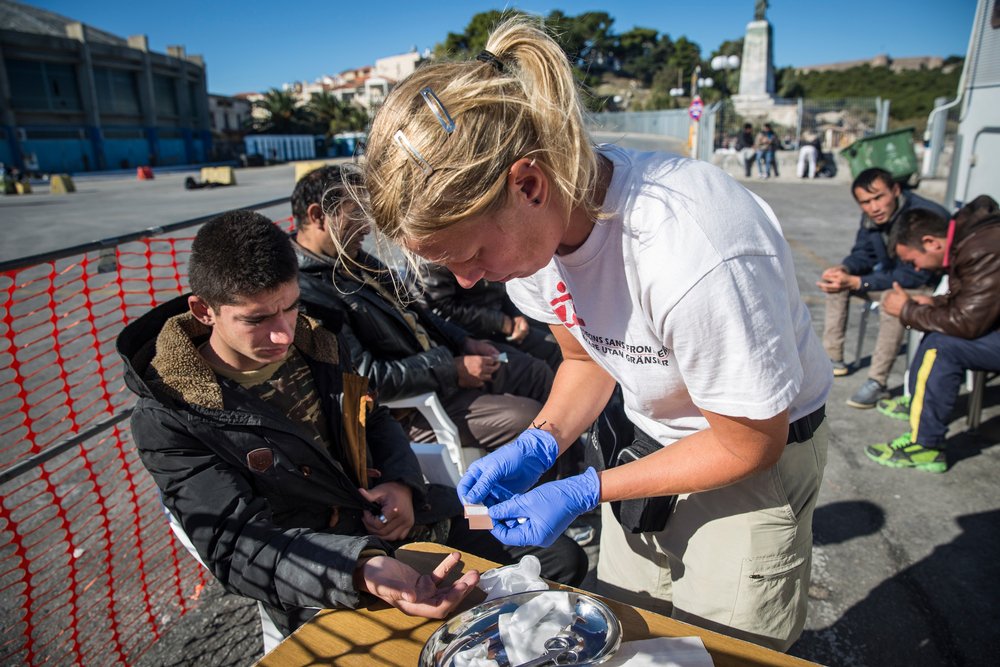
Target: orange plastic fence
x,y
89,570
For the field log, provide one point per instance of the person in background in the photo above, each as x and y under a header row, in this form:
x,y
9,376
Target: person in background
x,y
869,272
655,272
404,348
745,147
809,153
485,311
766,145
963,326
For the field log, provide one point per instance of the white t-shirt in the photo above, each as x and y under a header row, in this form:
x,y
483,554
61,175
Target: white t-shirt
x,y
686,295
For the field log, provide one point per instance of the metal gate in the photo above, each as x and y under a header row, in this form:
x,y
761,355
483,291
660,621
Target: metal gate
x,y
89,571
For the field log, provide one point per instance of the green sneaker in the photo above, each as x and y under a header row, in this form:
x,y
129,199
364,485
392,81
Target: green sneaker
x,y
895,408
904,453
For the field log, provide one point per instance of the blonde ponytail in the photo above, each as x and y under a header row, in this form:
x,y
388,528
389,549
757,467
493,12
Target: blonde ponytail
x,y
524,102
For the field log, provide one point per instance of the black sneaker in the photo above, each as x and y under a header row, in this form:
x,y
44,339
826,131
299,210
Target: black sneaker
x,y
870,393
840,369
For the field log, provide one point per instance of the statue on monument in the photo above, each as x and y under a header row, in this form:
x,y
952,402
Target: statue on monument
x,y
760,8
756,96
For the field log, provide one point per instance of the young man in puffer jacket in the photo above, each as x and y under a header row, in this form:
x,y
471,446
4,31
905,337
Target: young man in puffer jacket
x,y
291,483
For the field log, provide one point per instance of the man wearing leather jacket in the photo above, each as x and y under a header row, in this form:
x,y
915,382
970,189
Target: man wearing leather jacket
x,y
402,347
963,325
485,310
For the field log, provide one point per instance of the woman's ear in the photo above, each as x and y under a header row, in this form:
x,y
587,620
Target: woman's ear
x,y
528,183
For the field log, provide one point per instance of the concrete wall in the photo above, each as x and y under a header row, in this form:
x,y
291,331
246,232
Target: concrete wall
x,y
82,136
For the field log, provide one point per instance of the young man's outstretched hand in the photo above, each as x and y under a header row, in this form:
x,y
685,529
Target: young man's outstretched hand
x,y
413,593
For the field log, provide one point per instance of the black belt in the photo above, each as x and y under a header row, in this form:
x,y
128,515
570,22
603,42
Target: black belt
x,y
802,429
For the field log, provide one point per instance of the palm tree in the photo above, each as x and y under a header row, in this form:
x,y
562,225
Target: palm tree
x,y
284,114
332,115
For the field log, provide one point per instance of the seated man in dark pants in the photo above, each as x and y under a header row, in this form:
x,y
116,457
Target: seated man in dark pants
x,y
485,310
293,485
963,326
869,272
401,346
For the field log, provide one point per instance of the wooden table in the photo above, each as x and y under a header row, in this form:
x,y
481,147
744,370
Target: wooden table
x,y
382,635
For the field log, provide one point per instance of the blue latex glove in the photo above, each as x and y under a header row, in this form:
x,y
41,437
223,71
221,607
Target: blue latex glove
x,y
513,468
547,510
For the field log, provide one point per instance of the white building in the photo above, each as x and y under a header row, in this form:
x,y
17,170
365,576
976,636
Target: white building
x,y
399,67
365,89
228,114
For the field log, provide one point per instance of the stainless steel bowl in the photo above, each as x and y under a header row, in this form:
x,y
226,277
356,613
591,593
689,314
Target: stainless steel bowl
x,y
595,631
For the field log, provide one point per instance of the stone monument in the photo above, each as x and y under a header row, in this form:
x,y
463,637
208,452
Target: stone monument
x,y
756,96
757,69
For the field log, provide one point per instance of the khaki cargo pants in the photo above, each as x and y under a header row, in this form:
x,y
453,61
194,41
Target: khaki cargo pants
x,y
890,331
735,560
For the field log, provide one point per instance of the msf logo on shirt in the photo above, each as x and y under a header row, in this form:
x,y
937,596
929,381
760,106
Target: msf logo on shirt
x,y
563,308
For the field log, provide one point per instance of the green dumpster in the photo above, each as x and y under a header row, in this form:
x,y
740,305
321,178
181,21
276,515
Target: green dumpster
x,y
892,151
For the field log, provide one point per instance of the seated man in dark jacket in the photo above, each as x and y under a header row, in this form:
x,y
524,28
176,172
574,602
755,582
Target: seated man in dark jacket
x,y
869,271
963,326
292,484
485,310
400,345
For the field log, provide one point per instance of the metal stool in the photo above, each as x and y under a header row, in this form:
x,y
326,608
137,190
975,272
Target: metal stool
x,y
976,381
866,308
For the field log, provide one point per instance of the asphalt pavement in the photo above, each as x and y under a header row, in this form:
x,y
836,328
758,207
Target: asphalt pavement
x,y
906,566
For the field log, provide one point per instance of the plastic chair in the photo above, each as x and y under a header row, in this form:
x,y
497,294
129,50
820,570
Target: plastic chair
x,y
444,428
268,630
436,463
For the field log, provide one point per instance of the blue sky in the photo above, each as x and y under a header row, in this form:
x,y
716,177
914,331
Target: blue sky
x,y
253,45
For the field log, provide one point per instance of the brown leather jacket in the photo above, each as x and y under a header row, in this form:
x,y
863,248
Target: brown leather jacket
x,y
971,308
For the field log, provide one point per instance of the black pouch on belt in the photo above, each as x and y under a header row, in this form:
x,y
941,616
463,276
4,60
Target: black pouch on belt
x,y
642,515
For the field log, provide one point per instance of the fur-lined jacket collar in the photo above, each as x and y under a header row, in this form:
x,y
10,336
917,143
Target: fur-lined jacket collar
x,y
161,351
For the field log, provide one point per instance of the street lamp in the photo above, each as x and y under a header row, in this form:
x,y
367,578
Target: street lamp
x,y
724,64
721,63
678,91
696,83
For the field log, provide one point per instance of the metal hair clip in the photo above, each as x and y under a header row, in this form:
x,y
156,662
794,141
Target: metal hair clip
x,y
414,154
491,58
438,109
447,123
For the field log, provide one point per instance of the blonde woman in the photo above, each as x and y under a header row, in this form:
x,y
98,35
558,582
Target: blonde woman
x,y
655,272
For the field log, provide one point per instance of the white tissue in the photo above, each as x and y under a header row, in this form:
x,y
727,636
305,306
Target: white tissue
x,y
662,652
525,631
518,578
477,656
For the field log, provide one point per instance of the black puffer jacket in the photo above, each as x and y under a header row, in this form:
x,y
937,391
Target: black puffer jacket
x,y
263,530
391,356
479,310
